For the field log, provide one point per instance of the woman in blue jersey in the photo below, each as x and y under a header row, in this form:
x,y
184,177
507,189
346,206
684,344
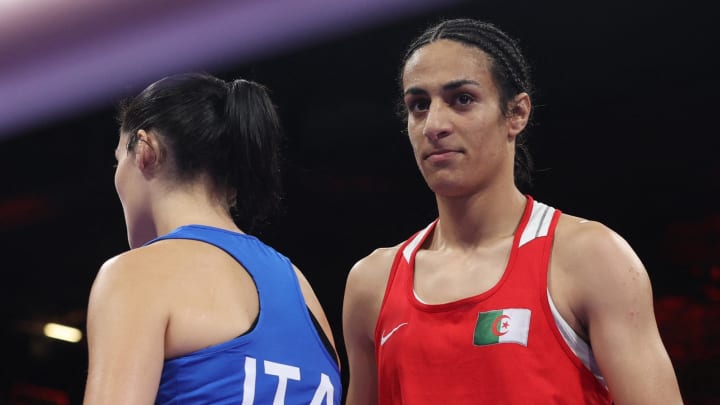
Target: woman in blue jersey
x,y
198,311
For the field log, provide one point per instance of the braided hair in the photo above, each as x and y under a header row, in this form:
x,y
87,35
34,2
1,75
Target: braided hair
x,y
509,69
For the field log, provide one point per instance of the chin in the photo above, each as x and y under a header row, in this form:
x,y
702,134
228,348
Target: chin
x,y
448,189
447,186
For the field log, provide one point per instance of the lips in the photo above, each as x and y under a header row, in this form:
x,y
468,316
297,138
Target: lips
x,y
440,154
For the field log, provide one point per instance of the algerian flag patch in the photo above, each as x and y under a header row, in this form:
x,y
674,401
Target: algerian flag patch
x,y
510,325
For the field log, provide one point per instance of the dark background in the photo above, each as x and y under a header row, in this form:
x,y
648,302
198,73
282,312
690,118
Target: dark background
x,y
625,133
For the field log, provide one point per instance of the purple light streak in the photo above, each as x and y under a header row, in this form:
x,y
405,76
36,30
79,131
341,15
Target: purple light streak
x,y
51,70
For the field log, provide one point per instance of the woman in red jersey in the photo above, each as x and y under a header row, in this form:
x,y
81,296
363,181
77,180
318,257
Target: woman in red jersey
x,y
502,299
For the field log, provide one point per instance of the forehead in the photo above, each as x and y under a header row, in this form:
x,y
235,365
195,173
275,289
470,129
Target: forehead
x,y
443,61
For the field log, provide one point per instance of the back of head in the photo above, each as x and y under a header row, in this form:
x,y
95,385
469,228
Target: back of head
x,y
228,132
510,70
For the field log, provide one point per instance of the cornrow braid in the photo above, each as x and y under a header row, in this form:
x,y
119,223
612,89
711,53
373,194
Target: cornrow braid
x,y
510,71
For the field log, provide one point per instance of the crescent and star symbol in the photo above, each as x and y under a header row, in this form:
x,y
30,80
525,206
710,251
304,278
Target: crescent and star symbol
x,y
496,327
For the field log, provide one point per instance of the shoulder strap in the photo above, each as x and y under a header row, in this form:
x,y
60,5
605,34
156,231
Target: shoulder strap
x,y
272,272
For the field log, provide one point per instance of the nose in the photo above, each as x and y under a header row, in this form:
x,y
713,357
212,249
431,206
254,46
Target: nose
x,y
437,121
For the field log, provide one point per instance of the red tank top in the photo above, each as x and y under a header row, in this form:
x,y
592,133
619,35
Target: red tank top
x,y
498,347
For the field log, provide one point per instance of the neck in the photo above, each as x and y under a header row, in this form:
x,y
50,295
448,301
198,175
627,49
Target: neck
x,y
185,206
470,221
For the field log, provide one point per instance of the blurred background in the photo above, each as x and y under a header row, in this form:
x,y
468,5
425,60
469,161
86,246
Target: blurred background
x,y
626,133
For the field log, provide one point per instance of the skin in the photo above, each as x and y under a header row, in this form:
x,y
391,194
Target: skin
x,y
169,298
464,148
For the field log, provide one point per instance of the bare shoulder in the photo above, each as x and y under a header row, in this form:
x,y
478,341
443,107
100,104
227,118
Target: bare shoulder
x,y
372,271
364,292
602,282
596,263
120,270
149,277
147,264
584,243
127,280
123,364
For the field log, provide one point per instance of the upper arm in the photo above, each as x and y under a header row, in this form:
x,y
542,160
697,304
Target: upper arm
x,y
126,330
364,291
614,301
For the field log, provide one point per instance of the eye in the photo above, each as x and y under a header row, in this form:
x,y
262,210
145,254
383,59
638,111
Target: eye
x,y
418,105
464,99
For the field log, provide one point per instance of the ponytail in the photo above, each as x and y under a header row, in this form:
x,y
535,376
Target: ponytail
x,y
229,132
254,134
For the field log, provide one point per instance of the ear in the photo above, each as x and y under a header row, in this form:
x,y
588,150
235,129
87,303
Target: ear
x,y
147,151
519,114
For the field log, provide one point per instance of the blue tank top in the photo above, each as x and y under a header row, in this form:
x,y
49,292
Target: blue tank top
x,y
282,360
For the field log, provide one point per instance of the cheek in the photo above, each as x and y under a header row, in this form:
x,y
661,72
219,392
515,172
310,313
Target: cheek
x,y
415,137
415,145
120,182
116,180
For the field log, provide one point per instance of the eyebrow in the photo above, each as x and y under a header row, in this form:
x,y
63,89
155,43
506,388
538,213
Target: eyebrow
x,y
447,86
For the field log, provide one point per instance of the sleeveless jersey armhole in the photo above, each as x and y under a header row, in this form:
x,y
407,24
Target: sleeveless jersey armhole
x,y
403,252
578,346
323,336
